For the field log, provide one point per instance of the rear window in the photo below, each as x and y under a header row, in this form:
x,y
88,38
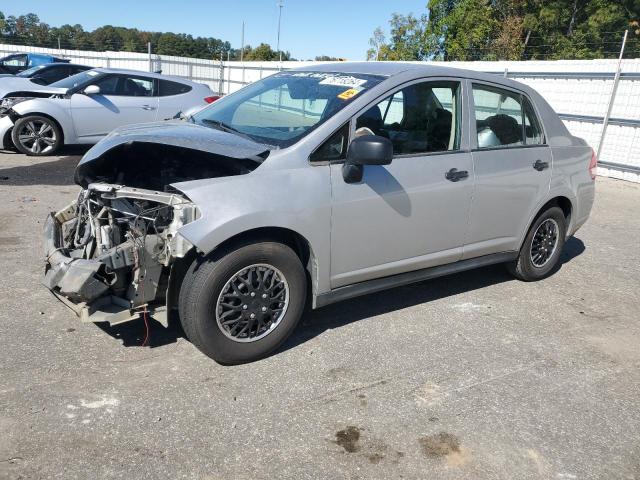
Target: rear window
x,y
168,88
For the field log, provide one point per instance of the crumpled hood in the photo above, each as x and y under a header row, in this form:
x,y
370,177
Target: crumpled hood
x,y
178,133
20,84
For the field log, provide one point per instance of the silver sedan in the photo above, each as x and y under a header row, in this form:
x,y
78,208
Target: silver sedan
x,y
313,186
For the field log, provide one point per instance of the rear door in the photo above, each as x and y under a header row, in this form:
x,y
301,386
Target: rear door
x,y
512,165
123,100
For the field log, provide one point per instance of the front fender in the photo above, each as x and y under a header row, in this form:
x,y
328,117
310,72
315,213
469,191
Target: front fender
x,y
297,199
57,109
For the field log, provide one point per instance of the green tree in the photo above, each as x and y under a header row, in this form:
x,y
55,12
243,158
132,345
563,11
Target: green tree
x,y
511,30
264,52
408,39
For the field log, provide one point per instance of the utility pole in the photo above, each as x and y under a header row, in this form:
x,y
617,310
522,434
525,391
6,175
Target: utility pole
x,y
242,43
242,53
280,5
150,61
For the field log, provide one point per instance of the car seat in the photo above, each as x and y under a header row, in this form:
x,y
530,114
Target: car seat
x,y
506,128
372,119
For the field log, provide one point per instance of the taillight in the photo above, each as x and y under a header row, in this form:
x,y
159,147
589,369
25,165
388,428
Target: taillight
x,y
593,165
211,99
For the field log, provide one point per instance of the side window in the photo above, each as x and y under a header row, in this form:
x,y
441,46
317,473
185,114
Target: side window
x,y
125,86
108,85
392,109
135,87
498,117
421,118
168,88
532,129
16,61
334,148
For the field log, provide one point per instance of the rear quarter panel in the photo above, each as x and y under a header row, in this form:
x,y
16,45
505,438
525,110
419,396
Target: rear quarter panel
x,y
570,169
571,178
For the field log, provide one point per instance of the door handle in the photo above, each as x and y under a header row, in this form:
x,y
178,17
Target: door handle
x,y
148,107
540,165
454,175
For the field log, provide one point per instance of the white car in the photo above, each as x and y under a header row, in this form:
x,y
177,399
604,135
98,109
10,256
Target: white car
x,y
84,108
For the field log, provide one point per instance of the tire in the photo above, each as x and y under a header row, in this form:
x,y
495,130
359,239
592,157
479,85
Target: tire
x,y
535,263
208,290
36,136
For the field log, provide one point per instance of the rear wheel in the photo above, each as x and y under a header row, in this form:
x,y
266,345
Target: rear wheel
x,y
542,247
36,135
240,306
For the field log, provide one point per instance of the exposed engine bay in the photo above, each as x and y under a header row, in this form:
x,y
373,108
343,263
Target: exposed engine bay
x,y
116,251
110,252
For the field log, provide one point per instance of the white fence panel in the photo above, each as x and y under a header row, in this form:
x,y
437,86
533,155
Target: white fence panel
x,y
579,90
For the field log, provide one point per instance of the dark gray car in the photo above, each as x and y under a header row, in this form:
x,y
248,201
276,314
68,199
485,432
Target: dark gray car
x,y
313,186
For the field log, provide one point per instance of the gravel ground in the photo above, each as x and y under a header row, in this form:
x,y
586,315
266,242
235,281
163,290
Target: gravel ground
x,y
473,376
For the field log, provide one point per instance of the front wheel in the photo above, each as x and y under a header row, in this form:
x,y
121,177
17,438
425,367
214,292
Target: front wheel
x,y
240,306
36,135
542,247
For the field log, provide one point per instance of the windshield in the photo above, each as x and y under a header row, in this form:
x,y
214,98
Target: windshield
x,y
283,108
30,71
76,80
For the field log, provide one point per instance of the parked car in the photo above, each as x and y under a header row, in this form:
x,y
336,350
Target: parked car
x,y
313,186
36,79
41,75
85,107
18,62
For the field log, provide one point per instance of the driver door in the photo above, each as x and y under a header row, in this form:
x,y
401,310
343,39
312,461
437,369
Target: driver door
x,y
407,215
123,100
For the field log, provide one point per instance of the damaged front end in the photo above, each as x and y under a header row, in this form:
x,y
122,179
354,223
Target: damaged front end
x,y
117,251
110,253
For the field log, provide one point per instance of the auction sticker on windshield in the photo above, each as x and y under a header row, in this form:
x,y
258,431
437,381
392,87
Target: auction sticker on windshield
x,y
347,94
343,81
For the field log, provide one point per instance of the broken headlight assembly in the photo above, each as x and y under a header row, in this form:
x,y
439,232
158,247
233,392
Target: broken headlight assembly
x,y
9,102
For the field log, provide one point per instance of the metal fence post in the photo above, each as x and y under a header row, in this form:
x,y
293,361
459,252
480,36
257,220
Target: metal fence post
x,y
221,77
612,98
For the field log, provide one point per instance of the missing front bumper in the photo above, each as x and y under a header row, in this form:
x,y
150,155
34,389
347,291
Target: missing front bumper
x,y
82,285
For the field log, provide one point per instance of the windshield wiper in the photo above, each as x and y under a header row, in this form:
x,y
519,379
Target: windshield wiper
x,y
223,126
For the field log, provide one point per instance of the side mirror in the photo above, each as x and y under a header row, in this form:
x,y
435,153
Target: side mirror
x,y
367,150
92,90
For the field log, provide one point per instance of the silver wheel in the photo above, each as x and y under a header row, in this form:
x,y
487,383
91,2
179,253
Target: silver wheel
x,y
544,242
37,136
252,303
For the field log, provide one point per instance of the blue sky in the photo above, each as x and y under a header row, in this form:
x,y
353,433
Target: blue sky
x,y
309,28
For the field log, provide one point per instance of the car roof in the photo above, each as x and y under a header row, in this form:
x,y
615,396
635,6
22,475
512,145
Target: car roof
x,y
146,74
419,69
63,64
